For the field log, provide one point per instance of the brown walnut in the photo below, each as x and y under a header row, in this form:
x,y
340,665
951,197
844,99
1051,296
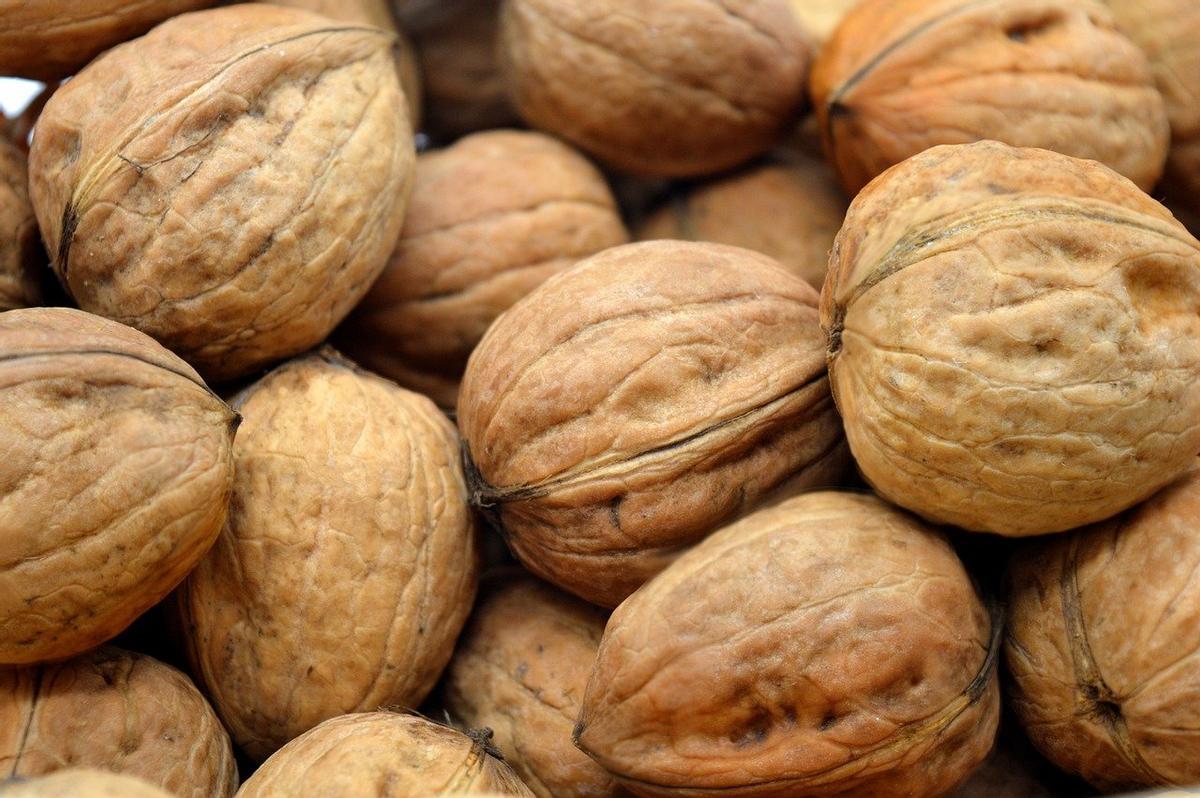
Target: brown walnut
x,y
19,246
1014,339
81,783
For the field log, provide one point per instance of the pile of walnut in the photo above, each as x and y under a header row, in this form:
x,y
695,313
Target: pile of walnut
x,y
831,372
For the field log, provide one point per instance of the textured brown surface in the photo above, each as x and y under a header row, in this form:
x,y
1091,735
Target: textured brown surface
x,y
829,645
380,755
114,479
82,783
231,183
900,76
671,88
632,404
19,250
117,711
348,564
520,670
490,219
1104,644
47,39
1014,339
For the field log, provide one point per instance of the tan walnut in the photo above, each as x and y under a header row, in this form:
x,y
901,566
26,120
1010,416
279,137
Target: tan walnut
x,y
900,76
1104,644
348,565
520,670
658,89
119,711
81,783
1014,339
379,755
829,645
115,479
490,219
19,246
231,183
634,403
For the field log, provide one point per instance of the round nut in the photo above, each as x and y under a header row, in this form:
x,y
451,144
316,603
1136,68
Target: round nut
x,y
19,247
383,754
348,565
231,183
115,479
81,783
829,645
534,207
1014,339
658,89
1104,644
117,711
900,76
632,404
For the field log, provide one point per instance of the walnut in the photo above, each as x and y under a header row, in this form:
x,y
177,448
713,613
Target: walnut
x,y
490,219
1014,342
829,645
231,183
19,247
900,76
115,479
632,404
81,783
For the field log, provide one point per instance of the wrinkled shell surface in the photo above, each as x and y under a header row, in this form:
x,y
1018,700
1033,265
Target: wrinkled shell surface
x,y
230,184
118,711
634,403
48,39
82,783
114,480
348,564
791,211
1104,644
520,670
829,645
379,755
900,76
1014,339
19,253
672,88
490,219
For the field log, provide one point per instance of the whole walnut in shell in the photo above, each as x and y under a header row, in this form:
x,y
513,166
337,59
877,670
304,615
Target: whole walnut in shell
x,y
660,89
829,645
900,76
1014,339
19,248
520,670
348,564
115,479
117,711
382,754
1104,644
490,219
634,403
82,783
231,183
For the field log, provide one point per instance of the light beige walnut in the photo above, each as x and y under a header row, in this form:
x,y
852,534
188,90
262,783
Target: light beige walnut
x,y
231,183
379,755
19,246
349,562
829,645
821,17
117,711
900,76
82,783
1014,339
490,219
115,479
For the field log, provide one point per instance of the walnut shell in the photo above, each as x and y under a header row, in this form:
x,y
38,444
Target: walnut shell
x,y
791,211
19,286
117,711
82,783
534,207
1014,339
348,565
50,39
520,670
1104,644
382,754
662,89
900,76
829,645
231,183
634,403
115,479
